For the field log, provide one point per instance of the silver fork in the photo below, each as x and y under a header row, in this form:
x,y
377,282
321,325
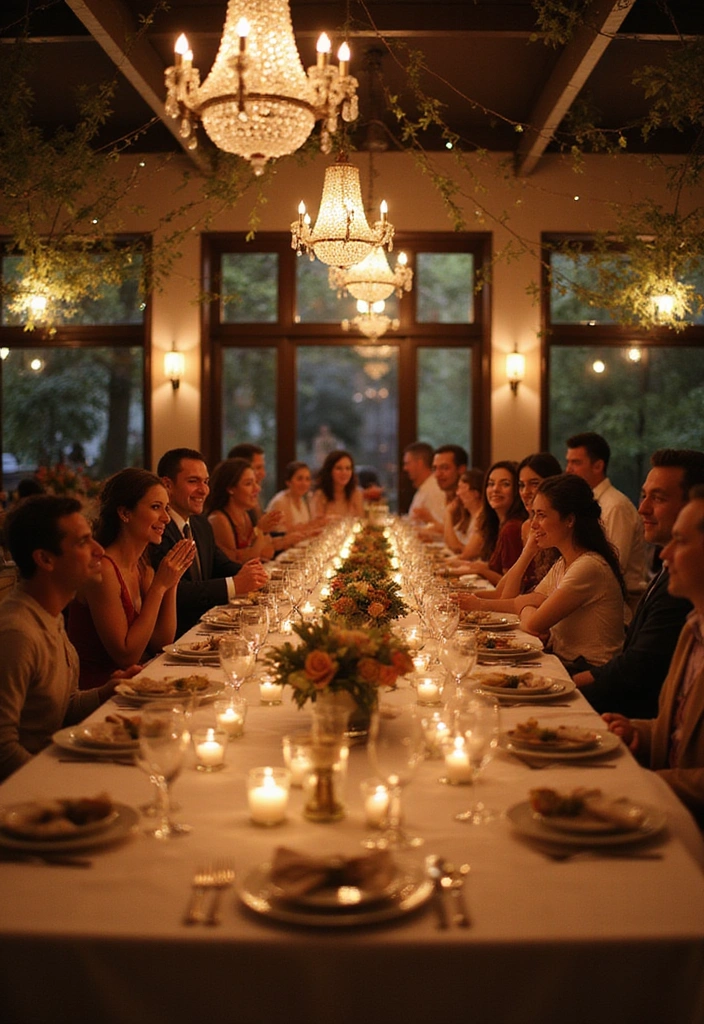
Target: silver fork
x,y
202,881
223,877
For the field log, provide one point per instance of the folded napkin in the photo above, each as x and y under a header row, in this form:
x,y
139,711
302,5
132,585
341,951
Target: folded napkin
x,y
297,874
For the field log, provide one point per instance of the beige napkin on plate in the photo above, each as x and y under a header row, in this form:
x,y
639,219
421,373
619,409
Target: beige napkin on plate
x,y
297,874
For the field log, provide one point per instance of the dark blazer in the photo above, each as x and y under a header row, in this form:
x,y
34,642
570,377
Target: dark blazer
x,y
193,597
630,683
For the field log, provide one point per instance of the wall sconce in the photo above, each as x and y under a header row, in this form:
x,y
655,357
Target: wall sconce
x,y
174,367
515,370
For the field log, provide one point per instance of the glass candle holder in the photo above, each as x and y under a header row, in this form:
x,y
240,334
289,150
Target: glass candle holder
x,y
296,749
458,765
324,782
429,689
267,795
375,800
230,715
209,746
270,693
421,661
435,731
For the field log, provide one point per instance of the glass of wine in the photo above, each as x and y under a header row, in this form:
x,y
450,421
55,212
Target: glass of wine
x,y
163,741
236,660
477,722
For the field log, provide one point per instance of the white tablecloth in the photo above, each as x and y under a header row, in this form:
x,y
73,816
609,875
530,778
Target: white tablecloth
x,y
585,940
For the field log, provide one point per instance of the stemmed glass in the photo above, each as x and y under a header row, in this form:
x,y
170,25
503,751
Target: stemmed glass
x,y
294,589
477,721
236,660
396,747
458,656
163,740
254,626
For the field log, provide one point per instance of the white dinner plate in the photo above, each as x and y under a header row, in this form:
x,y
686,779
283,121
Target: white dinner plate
x,y
560,688
185,652
126,692
495,621
96,736
224,616
68,739
544,684
259,895
606,743
122,825
527,823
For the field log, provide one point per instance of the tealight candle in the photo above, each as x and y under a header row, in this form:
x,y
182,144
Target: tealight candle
x,y
421,662
428,690
267,795
435,730
209,746
457,766
270,692
376,802
297,758
230,716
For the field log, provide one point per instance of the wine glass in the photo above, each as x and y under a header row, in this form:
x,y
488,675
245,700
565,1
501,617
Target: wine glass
x,y
477,722
442,613
236,660
163,740
294,589
396,747
254,626
458,656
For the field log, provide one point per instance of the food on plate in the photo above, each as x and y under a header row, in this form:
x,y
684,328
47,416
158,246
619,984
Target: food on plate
x,y
115,729
588,804
514,681
57,819
493,642
161,687
478,617
562,737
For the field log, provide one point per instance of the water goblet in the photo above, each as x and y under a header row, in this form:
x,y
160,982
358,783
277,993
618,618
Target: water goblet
x,y
396,747
477,722
458,656
254,627
163,740
236,660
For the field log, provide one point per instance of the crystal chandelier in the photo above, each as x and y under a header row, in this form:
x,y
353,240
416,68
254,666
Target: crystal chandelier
x,y
341,236
371,320
373,279
257,100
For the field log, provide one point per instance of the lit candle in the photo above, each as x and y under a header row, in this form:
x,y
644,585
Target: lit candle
x,y
384,209
428,690
270,692
307,609
180,47
457,763
230,716
421,662
301,214
323,49
343,55
376,806
209,746
435,730
243,32
267,795
299,766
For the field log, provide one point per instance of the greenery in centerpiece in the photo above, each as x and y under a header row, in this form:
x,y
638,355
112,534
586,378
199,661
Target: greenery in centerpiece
x,y
332,658
363,592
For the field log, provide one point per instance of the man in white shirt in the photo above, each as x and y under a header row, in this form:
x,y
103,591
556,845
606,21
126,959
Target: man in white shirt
x,y
428,503
588,456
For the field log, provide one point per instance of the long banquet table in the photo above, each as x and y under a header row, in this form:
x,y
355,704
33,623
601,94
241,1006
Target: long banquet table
x,y
589,939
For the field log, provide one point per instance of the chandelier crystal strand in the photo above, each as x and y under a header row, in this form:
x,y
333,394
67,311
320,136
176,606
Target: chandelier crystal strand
x,y
373,279
341,236
257,101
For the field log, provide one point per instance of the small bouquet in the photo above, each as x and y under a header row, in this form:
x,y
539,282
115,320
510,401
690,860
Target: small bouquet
x,y
364,597
332,658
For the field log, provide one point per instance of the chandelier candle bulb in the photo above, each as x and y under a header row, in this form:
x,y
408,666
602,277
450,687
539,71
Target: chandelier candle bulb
x,y
323,51
343,56
180,47
243,32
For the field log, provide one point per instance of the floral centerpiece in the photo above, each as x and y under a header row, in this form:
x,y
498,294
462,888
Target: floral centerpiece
x,y
364,596
332,658
67,480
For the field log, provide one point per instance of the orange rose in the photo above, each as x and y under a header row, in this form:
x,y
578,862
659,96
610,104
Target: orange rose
x,y
375,609
320,668
387,676
402,662
344,605
368,670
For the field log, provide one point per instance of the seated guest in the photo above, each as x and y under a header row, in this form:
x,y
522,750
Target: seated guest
x,y
212,578
129,610
588,456
580,601
254,455
499,523
673,743
234,493
630,683
336,493
428,504
293,503
462,534
51,543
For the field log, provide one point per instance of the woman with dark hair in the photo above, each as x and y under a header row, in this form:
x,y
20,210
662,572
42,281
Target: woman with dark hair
x,y
234,492
499,522
336,492
462,514
131,609
294,505
580,600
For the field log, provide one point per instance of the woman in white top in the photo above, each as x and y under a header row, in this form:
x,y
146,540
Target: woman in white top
x,y
294,505
461,532
337,493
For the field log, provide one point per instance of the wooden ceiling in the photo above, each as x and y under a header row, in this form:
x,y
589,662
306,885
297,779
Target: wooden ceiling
x,y
502,88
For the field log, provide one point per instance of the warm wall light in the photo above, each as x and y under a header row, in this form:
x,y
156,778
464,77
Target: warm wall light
x,y
515,370
174,367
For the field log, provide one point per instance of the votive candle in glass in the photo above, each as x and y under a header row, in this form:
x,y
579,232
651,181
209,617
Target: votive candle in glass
x,y
210,746
267,795
297,756
230,715
457,764
375,797
270,692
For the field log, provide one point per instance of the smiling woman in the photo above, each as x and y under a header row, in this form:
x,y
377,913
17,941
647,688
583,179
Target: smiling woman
x,y
130,609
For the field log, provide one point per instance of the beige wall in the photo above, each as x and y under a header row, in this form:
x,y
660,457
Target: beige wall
x,y
521,209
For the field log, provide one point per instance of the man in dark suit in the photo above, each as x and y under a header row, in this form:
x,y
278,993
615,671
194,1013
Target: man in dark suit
x,y
630,682
212,579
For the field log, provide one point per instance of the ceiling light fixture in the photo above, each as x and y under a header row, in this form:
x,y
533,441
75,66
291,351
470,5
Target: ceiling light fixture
x,y
257,101
372,322
373,279
341,236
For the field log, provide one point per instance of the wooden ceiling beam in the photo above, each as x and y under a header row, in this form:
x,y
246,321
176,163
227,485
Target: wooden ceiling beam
x,y
573,68
112,26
